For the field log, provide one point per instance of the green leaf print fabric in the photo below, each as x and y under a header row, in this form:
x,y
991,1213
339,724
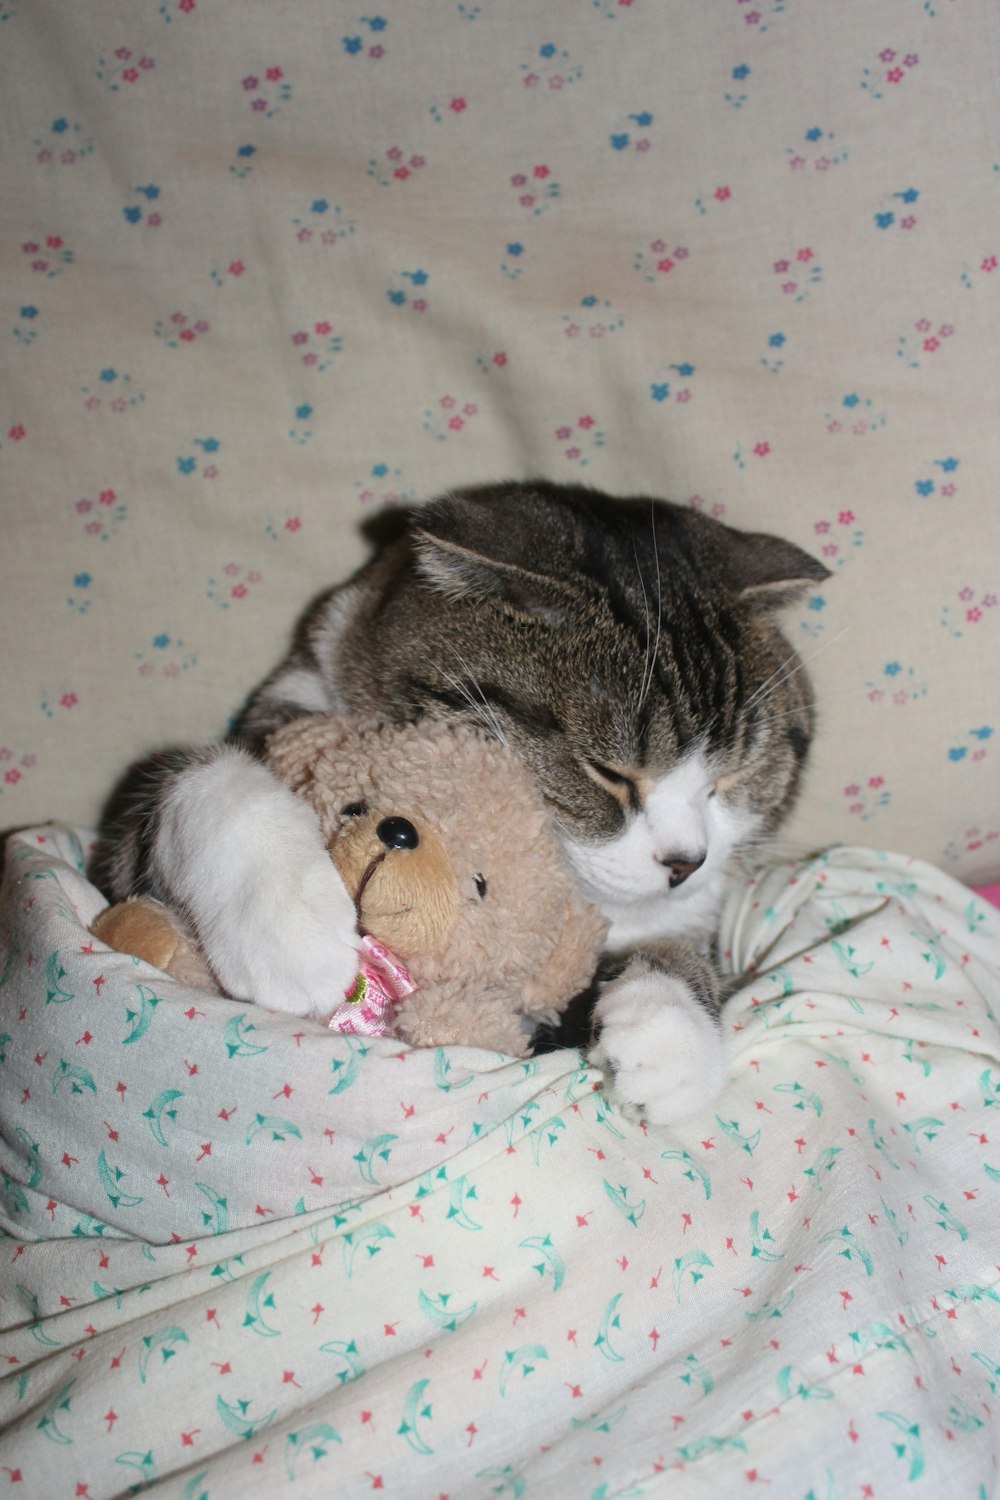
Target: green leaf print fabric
x,y
243,1257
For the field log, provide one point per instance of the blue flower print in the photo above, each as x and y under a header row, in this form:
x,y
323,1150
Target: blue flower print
x,y
60,126
352,45
109,376
397,299
82,581
303,413
515,250
924,487
777,341
247,151
740,73
815,134
29,313
320,206
186,465
161,642
659,392
549,50
851,400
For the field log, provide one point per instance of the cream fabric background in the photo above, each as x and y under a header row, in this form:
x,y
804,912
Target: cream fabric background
x,y
741,254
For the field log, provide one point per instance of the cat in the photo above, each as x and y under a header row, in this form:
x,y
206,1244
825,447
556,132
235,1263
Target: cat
x,y
625,649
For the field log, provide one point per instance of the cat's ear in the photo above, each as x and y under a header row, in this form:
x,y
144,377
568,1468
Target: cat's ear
x,y
770,571
461,573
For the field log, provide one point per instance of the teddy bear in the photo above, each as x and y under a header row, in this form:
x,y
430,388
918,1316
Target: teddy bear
x,y
472,927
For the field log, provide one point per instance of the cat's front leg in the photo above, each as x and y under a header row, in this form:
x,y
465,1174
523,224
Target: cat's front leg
x,y
658,1034
244,857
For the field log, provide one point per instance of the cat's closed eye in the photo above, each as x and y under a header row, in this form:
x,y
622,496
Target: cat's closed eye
x,y
620,786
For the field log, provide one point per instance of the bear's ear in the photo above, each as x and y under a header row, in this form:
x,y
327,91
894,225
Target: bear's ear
x,y
571,963
459,573
319,756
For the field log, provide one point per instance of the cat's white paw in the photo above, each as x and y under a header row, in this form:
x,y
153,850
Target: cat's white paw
x,y
245,857
660,1050
292,944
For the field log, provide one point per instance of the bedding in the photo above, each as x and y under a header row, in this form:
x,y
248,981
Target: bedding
x,y
244,1256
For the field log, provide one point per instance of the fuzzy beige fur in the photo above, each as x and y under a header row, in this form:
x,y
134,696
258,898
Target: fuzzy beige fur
x,y
483,911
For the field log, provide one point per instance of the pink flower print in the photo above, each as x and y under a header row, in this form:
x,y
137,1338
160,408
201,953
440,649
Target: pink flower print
x,y
236,268
887,56
12,777
804,255
107,497
274,75
259,105
324,328
456,424
572,454
447,402
239,591
394,154
250,84
231,570
586,423
563,433
416,162
989,264
123,54
83,507
876,781
541,173
68,700
845,518
780,267
401,174
500,358
254,577
762,449
457,106
17,432
821,527
974,615
187,6
722,194
895,75
293,524
469,409
300,338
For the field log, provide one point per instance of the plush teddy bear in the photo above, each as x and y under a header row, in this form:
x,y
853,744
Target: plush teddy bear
x,y
472,925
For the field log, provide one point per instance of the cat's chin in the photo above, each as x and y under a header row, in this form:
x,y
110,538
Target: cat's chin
x,y
690,913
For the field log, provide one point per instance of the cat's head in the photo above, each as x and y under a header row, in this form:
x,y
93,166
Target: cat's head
x,y
627,650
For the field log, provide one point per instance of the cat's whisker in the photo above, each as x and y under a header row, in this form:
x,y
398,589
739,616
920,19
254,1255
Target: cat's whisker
x,y
771,686
643,686
480,706
659,600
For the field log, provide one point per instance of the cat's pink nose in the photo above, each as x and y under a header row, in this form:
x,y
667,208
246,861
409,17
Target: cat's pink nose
x,y
681,866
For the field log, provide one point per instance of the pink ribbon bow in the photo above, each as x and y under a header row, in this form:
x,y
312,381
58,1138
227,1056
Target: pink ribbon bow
x,y
370,1006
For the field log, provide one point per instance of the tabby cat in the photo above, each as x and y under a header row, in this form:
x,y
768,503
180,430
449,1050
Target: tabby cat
x,y
625,649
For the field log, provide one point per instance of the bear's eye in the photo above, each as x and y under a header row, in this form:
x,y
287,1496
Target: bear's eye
x,y
354,810
481,886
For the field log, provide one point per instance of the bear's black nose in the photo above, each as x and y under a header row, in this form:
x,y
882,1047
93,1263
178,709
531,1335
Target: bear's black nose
x,y
397,833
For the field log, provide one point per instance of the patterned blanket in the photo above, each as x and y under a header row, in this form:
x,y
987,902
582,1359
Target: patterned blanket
x,y
244,1257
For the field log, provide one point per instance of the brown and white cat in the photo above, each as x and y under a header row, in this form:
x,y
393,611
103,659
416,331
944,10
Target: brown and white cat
x,y
625,649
